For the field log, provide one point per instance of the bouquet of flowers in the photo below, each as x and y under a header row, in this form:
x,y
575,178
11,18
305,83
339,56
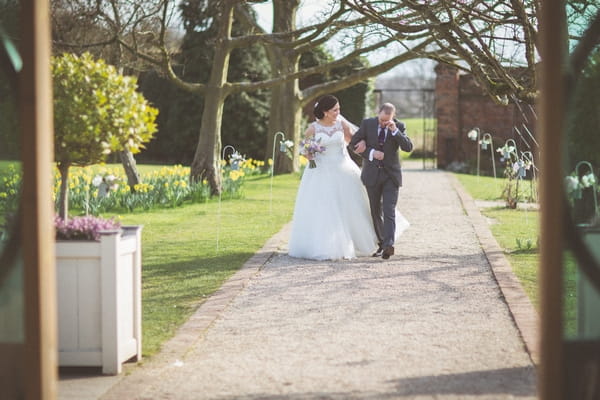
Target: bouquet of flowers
x,y
309,147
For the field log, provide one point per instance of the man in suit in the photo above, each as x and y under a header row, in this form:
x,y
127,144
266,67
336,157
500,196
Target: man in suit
x,y
377,141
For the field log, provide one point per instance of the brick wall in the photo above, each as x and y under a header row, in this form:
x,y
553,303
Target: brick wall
x,y
461,105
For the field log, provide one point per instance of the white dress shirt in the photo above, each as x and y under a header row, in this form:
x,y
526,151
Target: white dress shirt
x,y
386,133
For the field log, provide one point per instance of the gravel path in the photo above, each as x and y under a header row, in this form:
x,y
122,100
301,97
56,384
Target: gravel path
x,y
430,323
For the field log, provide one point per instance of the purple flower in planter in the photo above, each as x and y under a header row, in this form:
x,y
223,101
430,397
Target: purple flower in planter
x,y
83,228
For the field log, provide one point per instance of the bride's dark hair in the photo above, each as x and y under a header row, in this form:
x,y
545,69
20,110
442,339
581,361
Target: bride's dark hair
x,y
325,103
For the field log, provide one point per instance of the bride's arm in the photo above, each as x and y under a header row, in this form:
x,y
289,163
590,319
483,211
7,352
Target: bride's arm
x,y
359,134
309,133
347,132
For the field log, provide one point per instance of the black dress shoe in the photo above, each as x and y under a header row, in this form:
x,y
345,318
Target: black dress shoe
x,y
379,252
387,252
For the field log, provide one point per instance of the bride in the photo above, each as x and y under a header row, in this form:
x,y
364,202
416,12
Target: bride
x,y
332,218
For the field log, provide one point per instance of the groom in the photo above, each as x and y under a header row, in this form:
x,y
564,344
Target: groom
x,y
377,141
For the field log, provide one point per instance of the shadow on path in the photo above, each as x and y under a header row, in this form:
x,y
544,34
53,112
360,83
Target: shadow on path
x,y
488,383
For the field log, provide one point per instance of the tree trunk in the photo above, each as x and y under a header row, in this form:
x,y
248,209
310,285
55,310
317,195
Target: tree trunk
x,y
285,115
206,159
63,200
129,165
207,156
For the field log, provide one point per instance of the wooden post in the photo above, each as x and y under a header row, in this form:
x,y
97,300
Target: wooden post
x,y
137,292
109,298
551,106
35,108
588,297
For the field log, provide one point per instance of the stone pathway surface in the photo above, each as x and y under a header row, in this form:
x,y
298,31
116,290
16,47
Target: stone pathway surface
x,y
430,323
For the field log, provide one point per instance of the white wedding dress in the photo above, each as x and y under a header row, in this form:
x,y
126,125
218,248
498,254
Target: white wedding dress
x,y
332,218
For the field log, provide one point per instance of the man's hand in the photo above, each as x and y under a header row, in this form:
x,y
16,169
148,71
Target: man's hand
x,y
391,126
360,146
378,155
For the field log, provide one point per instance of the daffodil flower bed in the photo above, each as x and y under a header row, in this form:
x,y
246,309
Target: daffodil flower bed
x,y
103,188
10,182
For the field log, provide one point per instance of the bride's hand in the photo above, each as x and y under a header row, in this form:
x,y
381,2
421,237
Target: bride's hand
x,y
360,146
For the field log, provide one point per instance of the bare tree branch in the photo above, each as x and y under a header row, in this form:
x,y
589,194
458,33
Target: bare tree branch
x,y
589,40
478,32
315,91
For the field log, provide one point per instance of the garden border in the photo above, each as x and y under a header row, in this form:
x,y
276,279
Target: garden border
x,y
524,314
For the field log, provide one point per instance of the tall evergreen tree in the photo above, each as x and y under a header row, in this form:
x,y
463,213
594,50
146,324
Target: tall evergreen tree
x,y
245,115
584,116
353,100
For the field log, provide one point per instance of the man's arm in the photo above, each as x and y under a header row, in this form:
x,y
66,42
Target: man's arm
x,y
401,138
361,134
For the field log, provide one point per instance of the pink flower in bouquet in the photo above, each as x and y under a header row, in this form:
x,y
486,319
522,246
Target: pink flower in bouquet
x,y
309,147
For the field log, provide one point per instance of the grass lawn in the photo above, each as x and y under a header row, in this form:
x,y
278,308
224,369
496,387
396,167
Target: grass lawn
x,y
517,232
4,164
508,226
414,126
483,187
414,129
181,266
488,188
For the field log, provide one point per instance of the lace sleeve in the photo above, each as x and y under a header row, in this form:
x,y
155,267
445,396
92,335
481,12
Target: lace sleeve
x,y
353,128
311,131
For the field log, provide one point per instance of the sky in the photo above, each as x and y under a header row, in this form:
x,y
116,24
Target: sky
x,y
306,13
309,12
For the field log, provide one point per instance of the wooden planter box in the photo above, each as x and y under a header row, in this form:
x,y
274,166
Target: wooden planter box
x,y
588,297
99,300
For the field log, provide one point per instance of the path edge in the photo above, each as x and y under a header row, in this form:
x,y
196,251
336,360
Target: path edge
x,y
147,373
520,307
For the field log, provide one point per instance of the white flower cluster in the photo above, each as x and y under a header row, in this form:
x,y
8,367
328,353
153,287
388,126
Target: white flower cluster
x,y
588,180
571,183
110,181
574,185
105,184
237,157
472,134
